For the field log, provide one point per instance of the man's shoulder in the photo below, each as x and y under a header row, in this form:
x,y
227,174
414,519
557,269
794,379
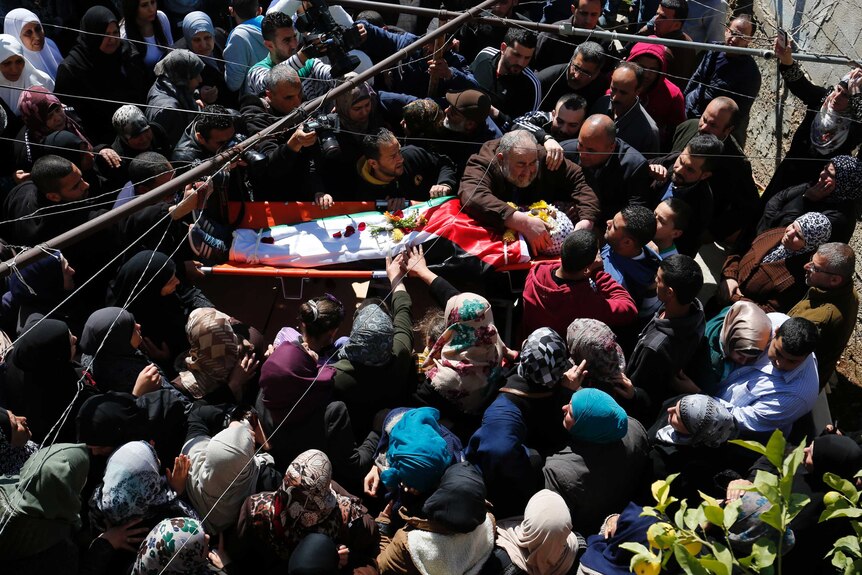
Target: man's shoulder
x,y
486,55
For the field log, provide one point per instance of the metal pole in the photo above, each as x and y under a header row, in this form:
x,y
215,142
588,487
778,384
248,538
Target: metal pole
x,y
209,166
568,30
779,115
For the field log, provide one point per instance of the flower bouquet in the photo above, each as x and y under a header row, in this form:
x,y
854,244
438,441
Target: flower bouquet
x,y
559,225
397,224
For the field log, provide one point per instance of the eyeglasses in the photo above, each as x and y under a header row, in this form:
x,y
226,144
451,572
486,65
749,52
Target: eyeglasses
x,y
812,267
579,70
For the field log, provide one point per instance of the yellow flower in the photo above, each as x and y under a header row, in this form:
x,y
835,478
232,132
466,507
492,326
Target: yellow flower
x,y
397,235
509,237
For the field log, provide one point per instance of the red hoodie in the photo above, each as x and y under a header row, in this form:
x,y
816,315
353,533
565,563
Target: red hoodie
x,y
664,102
550,304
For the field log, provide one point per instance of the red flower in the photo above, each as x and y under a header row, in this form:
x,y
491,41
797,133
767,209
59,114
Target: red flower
x,y
407,230
361,226
399,214
349,231
336,235
267,240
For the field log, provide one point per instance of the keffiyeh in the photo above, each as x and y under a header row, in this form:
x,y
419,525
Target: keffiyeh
x,y
177,545
816,230
466,359
544,358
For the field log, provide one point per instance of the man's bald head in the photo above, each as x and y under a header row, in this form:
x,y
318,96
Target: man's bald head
x,y
597,140
719,118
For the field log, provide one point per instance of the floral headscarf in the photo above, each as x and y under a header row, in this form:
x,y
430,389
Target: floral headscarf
x,y
175,545
816,229
305,503
466,360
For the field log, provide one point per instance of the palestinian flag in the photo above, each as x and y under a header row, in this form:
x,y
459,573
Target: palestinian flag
x,y
451,239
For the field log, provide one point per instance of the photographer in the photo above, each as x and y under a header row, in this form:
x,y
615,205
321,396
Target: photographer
x,y
288,157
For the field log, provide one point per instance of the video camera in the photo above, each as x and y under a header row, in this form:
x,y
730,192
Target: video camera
x,y
326,38
254,160
325,125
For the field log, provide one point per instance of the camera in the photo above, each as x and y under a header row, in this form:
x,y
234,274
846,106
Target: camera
x,y
254,160
326,38
325,126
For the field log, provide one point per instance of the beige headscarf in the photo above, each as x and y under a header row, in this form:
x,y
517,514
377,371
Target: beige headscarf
x,y
215,463
215,350
746,329
541,542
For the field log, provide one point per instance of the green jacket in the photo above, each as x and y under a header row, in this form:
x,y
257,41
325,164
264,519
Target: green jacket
x,y
834,313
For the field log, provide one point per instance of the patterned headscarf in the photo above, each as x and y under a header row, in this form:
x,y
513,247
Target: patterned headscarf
x,y
423,117
371,338
598,418
133,484
305,503
466,359
542,542
708,423
35,105
128,121
175,545
830,128
347,99
215,350
848,178
543,359
592,340
816,229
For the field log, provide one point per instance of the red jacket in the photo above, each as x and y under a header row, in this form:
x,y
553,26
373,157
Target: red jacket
x,y
553,305
664,102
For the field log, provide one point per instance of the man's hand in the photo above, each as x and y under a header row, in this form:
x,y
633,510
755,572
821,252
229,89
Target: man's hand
x,y
209,94
440,68
323,201
148,380
440,190
301,139
658,172
363,33
111,157
584,225
194,198
395,204
21,176
554,155
193,269
534,229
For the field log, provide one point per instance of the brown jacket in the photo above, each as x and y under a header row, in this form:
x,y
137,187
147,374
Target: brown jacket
x,y
775,286
484,190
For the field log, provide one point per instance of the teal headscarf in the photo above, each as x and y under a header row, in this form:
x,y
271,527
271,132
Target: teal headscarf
x,y
598,418
417,453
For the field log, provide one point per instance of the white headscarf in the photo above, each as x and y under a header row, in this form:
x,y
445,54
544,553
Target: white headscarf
x,y
11,91
46,59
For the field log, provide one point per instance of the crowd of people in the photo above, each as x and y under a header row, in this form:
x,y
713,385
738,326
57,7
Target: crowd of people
x,y
144,431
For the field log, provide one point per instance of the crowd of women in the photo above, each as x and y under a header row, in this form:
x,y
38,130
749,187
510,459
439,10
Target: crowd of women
x,y
144,431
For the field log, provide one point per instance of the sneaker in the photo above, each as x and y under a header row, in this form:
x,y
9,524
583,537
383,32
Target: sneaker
x,y
207,247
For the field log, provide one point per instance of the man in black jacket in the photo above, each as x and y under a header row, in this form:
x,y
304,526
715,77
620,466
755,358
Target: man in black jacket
x,y
617,173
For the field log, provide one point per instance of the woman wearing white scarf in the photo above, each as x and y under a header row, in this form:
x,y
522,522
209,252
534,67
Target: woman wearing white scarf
x,y
17,73
39,50
541,542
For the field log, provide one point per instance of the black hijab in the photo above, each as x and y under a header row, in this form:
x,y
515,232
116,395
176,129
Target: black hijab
x,y
837,454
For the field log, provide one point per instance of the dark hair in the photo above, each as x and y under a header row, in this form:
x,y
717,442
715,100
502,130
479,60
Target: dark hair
x,y
372,17
274,21
638,71
130,23
573,102
215,117
681,213
639,224
371,143
321,314
682,274
748,18
48,171
525,38
245,9
679,7
432,325
705,146
578,251
147,166
591,52
798,336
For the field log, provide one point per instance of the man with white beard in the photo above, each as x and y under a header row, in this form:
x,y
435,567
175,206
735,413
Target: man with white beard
x,y
513,169
467,125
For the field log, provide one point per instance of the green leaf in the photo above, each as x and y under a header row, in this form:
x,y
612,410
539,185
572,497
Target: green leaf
x,y
764,552
723,554
797,502
766,484
649,512
679,516
775,449
731,512
709,500
714,514
793,460
840,484
849,545
693,518
751,445
715,566
635,548
852,512
688,562
773,517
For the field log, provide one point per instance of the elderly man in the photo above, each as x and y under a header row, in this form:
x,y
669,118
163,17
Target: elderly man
x,y
832,303
634,125
617,173
581,75
513,169
736,203
723,74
